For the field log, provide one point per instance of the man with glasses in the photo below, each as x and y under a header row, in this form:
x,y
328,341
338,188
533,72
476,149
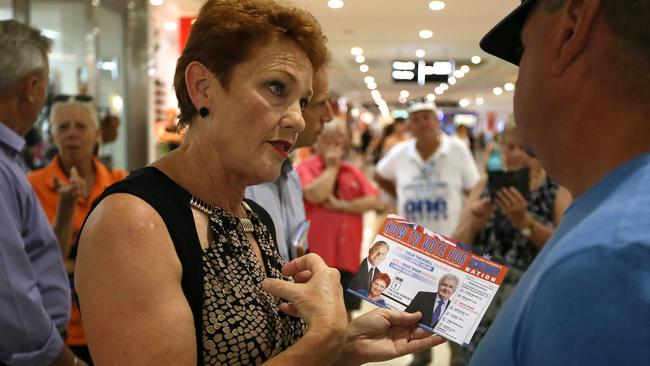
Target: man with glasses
x,y
34,289
582,104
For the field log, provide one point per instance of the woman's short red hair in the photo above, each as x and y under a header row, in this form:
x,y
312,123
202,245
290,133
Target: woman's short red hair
x,y
226,31
382,276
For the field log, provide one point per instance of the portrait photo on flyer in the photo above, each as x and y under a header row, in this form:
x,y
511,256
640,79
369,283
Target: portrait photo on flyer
x,y
411,268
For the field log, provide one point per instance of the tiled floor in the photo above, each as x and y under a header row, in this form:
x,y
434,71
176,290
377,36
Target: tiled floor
x,y
442,353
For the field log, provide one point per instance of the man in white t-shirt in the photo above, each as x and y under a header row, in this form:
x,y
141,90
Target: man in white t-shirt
x,y
430,174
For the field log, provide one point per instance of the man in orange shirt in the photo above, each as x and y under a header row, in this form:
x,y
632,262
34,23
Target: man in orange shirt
x,y
67,187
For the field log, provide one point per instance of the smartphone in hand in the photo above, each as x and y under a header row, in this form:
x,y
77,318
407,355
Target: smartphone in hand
x,y
518,179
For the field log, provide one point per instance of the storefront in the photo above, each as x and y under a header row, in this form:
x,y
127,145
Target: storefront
x,y
100,48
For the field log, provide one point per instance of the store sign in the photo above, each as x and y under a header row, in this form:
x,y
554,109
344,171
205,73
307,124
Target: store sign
x,y
184,30
422,71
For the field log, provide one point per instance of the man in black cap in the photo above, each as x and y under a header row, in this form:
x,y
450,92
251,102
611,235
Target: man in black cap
x,y
582,103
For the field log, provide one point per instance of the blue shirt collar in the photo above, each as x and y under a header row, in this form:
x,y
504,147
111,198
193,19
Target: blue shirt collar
x,y
13,141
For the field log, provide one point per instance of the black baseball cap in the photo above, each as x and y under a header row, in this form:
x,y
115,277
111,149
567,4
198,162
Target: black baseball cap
x,y
504,40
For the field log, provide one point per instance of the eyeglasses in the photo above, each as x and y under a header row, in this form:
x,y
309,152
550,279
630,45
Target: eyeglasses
x,y
71,98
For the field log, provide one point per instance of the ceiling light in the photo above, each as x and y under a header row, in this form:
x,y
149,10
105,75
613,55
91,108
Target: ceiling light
x,y
369,79
356,51
452,80
170,26
335,4
360,59
364,68
476,60
463,102
464,69
437,5
375,94
438,91
444,86
156,2
459,74
372,86
431,97
425,34
420,53
509,87
402,100
497,91
479,100
404,93
355,112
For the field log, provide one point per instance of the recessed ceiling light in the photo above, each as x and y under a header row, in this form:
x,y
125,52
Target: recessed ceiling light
x,y
170,26
364,68
369,79
356,51
425,34
479,100
360,59
402,99
509,87
404,93
431,97
438,91
437,5
476,60
335,4
156,2
459,74
497,91
372,86
444,86
420,53
463,102
451,80
464,69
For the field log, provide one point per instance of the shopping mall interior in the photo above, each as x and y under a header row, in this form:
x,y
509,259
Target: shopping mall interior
x,y
384,55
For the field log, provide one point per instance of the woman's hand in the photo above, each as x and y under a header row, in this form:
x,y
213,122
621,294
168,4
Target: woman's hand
x,y
69,193
482,211
333,154
316,297
336,204
384,334
514,206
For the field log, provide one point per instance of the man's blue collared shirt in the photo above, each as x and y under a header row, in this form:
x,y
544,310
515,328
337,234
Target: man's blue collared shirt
x,y
34,288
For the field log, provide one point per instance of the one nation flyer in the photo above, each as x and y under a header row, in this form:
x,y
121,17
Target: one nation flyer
x,y
412,268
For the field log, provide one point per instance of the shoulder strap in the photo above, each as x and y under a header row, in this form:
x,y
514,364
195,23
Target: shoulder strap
x,y
171,202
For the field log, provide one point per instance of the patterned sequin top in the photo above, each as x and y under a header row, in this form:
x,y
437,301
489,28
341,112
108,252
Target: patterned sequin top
x,y
241,322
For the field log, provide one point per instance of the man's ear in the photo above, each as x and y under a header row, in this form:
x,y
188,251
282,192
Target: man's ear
x,y
576,26
33,87
197,81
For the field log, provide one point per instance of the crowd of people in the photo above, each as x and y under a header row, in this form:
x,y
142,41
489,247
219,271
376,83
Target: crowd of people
x,y
226,251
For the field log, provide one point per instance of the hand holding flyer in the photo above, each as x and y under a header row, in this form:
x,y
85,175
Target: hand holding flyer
x,y
413,269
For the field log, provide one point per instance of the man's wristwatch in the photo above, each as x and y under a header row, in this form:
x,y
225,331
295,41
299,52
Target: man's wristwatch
x,y
527,231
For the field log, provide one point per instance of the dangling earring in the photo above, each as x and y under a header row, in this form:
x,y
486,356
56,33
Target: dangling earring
x,y
203,112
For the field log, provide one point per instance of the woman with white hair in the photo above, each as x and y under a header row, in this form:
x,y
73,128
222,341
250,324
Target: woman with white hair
x,y
68,186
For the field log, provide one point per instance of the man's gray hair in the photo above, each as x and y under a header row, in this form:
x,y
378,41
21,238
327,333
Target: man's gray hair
x,y
22,50
449,276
